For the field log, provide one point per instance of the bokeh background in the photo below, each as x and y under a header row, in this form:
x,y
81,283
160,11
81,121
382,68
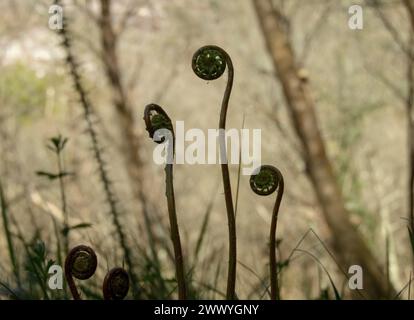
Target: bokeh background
x,y
361,88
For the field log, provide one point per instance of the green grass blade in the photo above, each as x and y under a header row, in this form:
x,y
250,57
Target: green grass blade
x,y
12,293
336,292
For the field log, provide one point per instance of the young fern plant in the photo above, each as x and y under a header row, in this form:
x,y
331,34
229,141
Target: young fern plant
x,y
80,263
159,127
264,183
116,284
209,63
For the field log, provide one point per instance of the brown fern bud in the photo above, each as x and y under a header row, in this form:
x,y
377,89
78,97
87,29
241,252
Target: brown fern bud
x,y
116,284
81,264
156,119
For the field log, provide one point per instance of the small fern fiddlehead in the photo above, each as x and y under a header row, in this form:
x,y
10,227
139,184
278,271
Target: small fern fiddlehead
x,y
156,119
209,63
264,183
81,263
116,284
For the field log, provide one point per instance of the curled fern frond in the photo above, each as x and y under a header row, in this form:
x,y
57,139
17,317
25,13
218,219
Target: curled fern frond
x,y
209,62
81,264
116,284
156,119
264,183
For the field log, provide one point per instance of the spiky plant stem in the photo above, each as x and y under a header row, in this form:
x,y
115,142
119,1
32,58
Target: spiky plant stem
x,y
103,174
64,205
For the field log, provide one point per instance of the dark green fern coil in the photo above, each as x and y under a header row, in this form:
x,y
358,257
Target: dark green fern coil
x,y
209,62
116,284
156,119
266,181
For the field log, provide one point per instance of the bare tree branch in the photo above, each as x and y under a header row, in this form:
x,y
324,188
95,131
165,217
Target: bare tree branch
x,y
347,243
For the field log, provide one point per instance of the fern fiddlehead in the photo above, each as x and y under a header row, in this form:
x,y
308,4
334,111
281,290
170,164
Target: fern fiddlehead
x,y
264,183
116,284
157,119
81,263
209,63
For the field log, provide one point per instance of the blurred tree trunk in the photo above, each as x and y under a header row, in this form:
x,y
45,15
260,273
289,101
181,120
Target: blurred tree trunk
x,y
409,5
410,8
407,48
347,243
130,140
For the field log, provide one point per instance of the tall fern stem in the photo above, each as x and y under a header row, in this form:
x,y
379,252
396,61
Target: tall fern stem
x,y
209,63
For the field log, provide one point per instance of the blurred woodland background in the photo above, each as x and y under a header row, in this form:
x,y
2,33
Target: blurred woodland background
x,y
335,109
